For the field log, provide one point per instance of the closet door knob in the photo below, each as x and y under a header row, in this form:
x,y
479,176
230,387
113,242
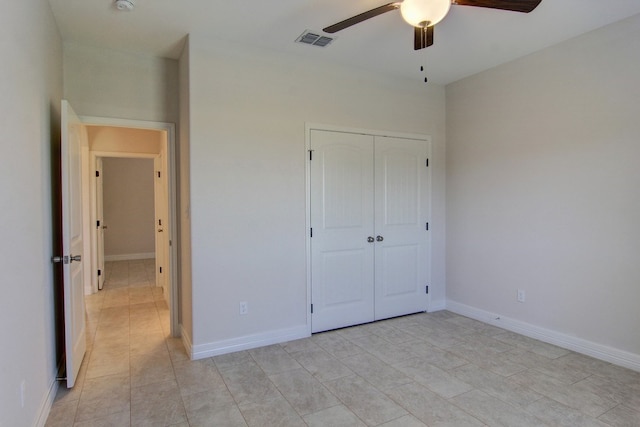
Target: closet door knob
x,y
370,239
379,238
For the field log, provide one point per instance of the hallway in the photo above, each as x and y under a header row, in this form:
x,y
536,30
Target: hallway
x,y
128,350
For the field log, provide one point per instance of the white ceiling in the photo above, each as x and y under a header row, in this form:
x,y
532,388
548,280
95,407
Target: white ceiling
x,y
467,41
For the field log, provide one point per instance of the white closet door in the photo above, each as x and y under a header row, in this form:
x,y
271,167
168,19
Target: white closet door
x,y
401,248
341,174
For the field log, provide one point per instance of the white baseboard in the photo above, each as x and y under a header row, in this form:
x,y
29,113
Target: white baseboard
x,y
130,257
437,306
47,404
247,342
579,345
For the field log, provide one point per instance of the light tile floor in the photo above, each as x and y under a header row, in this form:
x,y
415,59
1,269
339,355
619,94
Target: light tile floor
x,y
437,369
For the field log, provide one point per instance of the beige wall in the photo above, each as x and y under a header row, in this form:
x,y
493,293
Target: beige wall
x,y
107,83
542,189
248,110
30,93
129,210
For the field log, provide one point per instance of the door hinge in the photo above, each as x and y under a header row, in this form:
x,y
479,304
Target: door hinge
x,y
310,155
99,272
158,174
160,269
98,223
426,289
159,222
311,232
97,174
170,243
311,308
427,163
427,226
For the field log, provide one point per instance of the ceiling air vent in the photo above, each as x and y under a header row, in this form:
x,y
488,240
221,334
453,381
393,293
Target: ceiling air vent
x,y
309,37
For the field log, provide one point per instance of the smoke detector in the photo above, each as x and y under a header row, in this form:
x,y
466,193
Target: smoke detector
x,y
125,5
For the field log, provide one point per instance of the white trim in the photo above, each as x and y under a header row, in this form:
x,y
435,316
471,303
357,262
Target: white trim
x,y
246,342
130,257
579,345
91,285
307,220
373,132
47,404
125,123
124,154
307,144
429,219
186,341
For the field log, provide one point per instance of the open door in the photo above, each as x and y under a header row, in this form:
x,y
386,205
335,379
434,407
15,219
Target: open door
x,y
74,138
162,228
100,225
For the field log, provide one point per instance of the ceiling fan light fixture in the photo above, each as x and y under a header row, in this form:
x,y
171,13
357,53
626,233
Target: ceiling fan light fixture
x,y
424,13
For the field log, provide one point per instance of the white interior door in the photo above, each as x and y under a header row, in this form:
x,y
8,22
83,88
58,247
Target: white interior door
x,y
161,227
100,223
341,174
74,138
401,215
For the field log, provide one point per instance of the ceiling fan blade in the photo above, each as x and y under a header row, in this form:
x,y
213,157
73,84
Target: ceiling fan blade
x,y
422,37
362,17
524,6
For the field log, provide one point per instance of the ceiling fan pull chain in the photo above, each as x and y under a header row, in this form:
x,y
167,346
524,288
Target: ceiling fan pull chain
x,y
425,77
423,68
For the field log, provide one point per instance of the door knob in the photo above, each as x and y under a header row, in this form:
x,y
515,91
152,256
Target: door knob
x,y
370,239
160,230
379,238
76,258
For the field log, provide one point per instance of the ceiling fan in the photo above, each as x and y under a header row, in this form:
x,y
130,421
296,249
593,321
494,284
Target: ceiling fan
x,y
424,14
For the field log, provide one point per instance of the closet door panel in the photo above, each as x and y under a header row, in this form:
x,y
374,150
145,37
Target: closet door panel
x,y
341,174
401,199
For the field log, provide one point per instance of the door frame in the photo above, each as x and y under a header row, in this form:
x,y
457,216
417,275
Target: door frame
x,y
93,286
169,128
97,213
310,126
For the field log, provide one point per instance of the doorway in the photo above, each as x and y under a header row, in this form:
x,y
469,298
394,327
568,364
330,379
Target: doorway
x,y
137,141
126,196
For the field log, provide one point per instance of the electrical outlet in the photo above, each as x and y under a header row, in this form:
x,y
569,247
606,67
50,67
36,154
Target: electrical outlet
x,y
521,295
244,308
